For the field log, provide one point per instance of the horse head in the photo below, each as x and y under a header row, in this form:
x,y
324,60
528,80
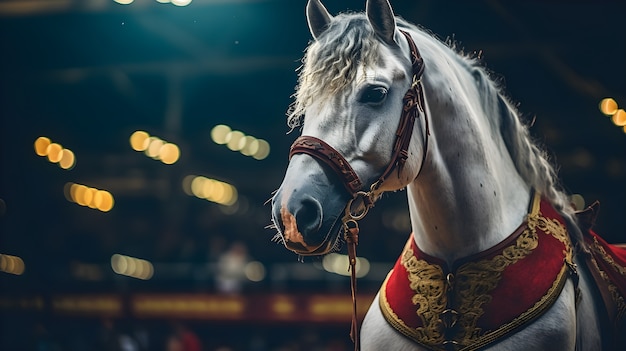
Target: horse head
x,y
355,77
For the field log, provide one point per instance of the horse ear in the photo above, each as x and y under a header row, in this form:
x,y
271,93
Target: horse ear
x,y
381,17
318,17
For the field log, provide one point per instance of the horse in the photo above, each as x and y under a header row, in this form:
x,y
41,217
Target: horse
x,y
496,258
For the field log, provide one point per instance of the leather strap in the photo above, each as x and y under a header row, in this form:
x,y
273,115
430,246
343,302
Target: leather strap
x,y
327,154
352,239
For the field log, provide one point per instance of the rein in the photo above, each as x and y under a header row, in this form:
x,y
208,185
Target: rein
x,y
361,201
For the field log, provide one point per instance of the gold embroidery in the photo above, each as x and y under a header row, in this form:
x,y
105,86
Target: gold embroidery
x,y
427,281
476,280
557,230
608,258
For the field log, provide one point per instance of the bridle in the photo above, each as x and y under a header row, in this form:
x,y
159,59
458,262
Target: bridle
x,y
361,201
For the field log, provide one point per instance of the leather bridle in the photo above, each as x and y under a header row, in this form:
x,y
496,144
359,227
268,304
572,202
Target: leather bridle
x,y
361,201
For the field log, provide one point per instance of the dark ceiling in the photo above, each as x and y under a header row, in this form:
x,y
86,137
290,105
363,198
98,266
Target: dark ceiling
x,y
88,76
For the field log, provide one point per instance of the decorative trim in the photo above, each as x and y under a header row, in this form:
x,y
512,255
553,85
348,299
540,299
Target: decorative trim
x,y
618,299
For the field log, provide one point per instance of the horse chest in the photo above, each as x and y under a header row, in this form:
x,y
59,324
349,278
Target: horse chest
x,y
483,297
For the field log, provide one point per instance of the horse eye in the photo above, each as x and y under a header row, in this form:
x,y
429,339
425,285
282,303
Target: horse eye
x,y
374,95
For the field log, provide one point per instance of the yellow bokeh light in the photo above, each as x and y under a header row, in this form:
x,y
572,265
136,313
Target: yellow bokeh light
x,y
54,152
78,194
608,106
263,151
219,133
217,192
41,146
107,201
251,148
619,118
118,263
154,147
11,264
67,159
208,188
169,153
232,199
89,196
138,140
124,2
233,140
196,186
181,2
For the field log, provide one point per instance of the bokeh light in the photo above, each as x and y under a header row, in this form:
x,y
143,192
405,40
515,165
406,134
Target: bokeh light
x,y
83,195
236,140
132,267
619,118
41,146
11,264
210,189
154,147
608,106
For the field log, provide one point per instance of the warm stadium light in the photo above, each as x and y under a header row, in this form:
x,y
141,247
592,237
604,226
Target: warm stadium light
x,y
41,146
236,140
55,153
181,2
210,189
83,195
338,264
11,264
608,106
619,118
139,140
154,147
132,267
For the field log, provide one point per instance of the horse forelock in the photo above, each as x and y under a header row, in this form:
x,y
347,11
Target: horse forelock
x,y
330,63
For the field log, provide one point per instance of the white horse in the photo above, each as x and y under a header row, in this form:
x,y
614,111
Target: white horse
x,y
469,168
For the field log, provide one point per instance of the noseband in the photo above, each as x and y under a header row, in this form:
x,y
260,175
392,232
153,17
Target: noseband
x,y
362,201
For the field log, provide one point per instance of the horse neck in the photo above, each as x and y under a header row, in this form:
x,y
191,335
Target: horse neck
x,y
469,196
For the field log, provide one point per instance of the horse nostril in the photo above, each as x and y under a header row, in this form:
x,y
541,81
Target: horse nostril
x,y
309,215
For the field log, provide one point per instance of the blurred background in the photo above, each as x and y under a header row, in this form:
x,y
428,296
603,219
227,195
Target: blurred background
x,y
140,140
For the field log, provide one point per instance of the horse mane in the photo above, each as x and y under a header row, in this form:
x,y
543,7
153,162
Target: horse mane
x,y
534,165
330,64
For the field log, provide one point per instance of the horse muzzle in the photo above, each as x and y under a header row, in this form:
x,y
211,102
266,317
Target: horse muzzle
x,y
302,224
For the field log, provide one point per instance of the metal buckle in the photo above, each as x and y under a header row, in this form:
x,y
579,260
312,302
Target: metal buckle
x,y
358,206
